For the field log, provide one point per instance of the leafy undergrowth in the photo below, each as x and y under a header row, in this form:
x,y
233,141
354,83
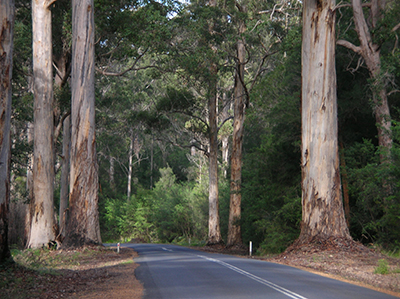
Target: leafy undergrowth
x,y
90,272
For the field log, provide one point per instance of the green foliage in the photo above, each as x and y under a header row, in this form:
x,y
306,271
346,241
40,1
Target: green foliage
x,y
271,173
374,194
168,212
382,268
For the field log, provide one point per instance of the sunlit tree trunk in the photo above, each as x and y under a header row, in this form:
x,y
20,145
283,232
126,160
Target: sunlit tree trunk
x,y
322,207
83,221
6,52
234,231
42,205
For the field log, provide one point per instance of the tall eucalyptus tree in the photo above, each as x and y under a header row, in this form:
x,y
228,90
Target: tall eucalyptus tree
x,y
83,221
322,206
240,100
42,206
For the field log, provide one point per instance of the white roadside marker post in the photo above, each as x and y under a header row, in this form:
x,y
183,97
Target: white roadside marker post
x,y
251,248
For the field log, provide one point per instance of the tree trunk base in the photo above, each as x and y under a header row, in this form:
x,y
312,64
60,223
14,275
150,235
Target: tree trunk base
x,y
216,244
319,244
78,241
237,248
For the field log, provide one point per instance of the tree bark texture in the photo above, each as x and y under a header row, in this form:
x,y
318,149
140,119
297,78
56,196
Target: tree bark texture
x,y
322,206
7,8
234,229
214,231
64,182
42,205
83,219
370,52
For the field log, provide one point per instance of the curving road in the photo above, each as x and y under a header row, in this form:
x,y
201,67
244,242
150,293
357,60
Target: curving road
x,y
169,271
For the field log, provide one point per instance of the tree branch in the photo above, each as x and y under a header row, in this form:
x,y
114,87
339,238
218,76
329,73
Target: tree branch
x,y
349,45
131,68
225,120
49,3
125,71
58,128
392,92
350,5
395,27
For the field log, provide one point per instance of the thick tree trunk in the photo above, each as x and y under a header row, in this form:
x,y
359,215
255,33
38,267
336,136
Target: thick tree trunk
x,y
6,52
83,220
42,205
64,182
322,207
234,231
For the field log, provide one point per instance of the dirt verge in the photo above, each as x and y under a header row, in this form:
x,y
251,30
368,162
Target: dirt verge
x,y
85,273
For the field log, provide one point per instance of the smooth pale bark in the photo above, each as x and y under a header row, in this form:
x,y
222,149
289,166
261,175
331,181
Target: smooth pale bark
x,y
83,219
64,182
234,229
214,231
42,206
370,52
322,207
7,8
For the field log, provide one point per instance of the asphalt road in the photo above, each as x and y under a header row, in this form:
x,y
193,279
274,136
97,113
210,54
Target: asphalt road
x,y
170,272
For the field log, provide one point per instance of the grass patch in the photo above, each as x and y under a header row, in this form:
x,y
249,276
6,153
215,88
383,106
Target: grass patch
x,y
383,267
127,262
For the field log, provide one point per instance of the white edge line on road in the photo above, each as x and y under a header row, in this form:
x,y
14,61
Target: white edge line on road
x,y
256,278
163,248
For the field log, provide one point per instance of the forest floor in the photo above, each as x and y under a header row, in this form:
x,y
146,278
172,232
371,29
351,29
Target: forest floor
x,y
95,272
103,273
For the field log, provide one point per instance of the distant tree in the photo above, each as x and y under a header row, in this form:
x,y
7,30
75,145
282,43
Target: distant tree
x,y
7,13
83,221
322,206
42,206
